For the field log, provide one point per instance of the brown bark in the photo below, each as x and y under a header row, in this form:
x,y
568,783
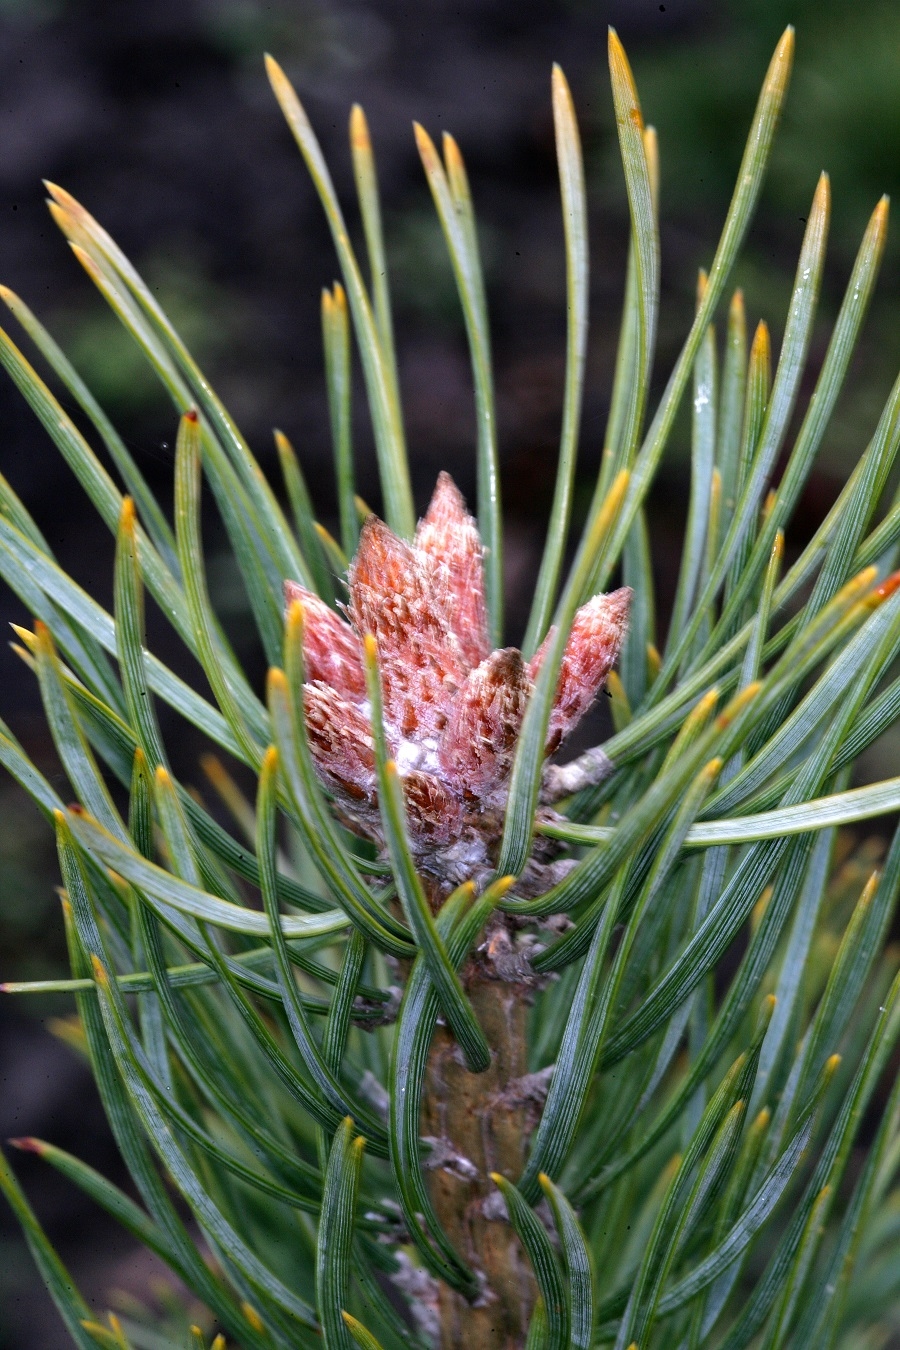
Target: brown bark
x,y
475,1118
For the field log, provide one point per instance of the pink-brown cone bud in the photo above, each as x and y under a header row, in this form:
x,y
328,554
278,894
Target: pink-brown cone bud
x,y
453,710
478,745
449,535
393,596
340,738
598,631
331,650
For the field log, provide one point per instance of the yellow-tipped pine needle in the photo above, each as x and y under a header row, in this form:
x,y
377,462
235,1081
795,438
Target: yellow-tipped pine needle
x,y
759,909
363,509
252,1316
230,794
337,558
619,705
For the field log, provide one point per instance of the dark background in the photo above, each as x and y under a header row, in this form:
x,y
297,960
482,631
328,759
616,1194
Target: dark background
x,y
157,114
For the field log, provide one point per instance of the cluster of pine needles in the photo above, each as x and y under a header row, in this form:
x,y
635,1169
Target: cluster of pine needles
x,y
720,1140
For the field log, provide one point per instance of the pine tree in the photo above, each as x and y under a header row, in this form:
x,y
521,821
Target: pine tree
x,y
466,1046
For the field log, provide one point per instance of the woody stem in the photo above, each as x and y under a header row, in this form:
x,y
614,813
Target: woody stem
x,y
481,1128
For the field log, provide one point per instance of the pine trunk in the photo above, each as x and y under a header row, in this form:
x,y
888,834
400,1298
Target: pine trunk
x,y
481,1122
